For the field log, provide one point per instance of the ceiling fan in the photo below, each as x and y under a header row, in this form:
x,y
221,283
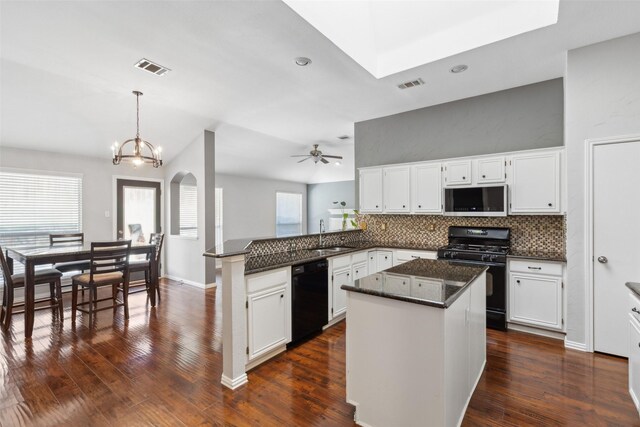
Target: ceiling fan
x,y
317,156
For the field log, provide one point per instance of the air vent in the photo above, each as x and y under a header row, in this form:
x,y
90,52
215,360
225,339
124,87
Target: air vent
x,y
152,67
412,83
343,137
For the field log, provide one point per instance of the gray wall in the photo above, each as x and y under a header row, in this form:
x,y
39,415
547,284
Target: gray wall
x,y
320,198
97,182
602,100
522,118
249,205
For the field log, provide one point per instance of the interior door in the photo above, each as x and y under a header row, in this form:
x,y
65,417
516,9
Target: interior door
x,y
137,209
616,234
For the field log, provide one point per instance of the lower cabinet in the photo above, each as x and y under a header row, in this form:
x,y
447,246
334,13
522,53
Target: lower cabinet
x,y
268,311
634,354
536,299
402,256
384,260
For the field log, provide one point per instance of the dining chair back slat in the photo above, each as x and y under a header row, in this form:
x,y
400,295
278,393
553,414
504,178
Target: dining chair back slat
x,y
5,269
55,239
109,257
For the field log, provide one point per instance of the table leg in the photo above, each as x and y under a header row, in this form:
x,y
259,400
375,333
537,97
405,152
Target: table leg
x,y
29,287
153,266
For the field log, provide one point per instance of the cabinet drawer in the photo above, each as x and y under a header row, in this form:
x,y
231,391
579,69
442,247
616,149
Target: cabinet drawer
x,y
341,261
261,281
404,255
549,268
634,306
358,257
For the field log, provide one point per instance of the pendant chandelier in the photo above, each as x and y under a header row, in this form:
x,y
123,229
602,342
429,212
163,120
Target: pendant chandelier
x,y
140,146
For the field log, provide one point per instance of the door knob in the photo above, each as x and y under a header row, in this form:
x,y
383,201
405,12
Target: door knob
x,y
602,259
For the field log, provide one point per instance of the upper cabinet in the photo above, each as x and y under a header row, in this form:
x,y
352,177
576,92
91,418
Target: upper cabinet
x,y
426,188
535,183
457,172
371,190
490,170
396,189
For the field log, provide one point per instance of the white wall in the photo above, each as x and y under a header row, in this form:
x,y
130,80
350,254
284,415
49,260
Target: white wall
x,y
249,205
97,182
602,99
184,254
321,198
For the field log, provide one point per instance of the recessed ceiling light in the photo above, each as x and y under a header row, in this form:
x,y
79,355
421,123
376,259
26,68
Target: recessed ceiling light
x,y
338,163
459,68
302,61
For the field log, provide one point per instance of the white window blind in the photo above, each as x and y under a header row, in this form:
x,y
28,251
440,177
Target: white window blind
x,y
218,219
34,205
288,214
188,210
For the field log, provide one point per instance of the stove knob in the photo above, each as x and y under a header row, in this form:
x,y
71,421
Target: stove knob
x,y
485,257
445,254
493,258
453,254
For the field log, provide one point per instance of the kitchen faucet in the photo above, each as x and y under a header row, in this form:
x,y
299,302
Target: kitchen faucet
x,y
320,239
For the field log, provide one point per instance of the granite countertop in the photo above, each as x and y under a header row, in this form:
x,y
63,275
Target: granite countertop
x,y
257,264
435,283
635,287
538,255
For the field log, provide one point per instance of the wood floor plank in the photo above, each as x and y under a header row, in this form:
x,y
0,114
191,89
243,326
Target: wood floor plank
x,y
163,367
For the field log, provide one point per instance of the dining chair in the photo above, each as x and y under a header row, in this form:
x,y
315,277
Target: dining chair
x,y
144,265
66,239
15,281
109,266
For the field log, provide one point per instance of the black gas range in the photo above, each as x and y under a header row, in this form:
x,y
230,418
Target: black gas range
x,y
484,246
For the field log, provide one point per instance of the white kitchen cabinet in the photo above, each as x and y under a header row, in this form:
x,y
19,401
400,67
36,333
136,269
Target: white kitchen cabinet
x,y
401,256
426,188
490,170
396,189
536,300
535,183
634,355
371,190
360,270
384,260
372,261
339,277
426,288
268,311
397,284
457,173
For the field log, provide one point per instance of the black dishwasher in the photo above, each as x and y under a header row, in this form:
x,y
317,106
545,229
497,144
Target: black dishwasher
x,y
309,298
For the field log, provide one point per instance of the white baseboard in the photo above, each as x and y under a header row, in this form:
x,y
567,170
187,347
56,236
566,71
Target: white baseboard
x,y
235,382
190,282
536,331
575,345
335,321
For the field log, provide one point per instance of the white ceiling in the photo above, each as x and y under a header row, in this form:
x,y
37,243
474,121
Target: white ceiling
x,y
386,37
67,75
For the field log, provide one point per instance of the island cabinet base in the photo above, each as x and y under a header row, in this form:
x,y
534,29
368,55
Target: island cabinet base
x,y
411,364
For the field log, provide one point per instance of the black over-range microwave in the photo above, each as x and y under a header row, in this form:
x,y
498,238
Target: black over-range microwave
x,y
476,201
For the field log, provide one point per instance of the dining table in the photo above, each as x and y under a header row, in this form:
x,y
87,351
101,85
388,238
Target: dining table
x,y
31,257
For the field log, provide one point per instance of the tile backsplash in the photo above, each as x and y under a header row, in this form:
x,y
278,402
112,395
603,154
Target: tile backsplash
x,y
529,233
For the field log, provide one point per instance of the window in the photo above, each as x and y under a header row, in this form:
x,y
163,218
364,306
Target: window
x,y
184,205
288,214
188,210
36,204
218,219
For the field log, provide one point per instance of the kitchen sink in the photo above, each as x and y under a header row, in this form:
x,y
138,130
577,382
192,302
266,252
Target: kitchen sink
x,y
331,249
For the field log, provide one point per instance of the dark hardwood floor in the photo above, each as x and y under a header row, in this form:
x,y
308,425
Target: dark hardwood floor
x,y
163,368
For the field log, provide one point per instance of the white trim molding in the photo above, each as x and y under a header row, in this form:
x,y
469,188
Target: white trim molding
x,y
575,345
190,282
588,233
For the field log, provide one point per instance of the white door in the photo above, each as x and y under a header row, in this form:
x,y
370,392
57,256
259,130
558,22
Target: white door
x,y
490,170
267,321
535,300
535,183
371,190
616,203
396,189
385,260
426,188
457,173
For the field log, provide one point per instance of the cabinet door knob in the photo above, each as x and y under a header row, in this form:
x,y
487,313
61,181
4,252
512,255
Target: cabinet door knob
x,y
518,281
419,206
376,206
464,177
639,344
403,206
550,204
281,295
484,176
534,268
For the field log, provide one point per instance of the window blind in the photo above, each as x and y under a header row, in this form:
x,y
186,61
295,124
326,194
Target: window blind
x,y
36,204
218,219
188,210
288,214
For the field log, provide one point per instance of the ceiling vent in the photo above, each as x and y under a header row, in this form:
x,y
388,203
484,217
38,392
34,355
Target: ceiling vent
x,y
152,67
343,137
412,83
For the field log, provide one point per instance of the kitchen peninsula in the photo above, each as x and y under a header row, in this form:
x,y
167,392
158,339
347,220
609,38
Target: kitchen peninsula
x,y
416,343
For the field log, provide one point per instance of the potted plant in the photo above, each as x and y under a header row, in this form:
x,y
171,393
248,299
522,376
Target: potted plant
x,y
345,215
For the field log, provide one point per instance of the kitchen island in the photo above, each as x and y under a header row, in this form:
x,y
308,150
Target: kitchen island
x,y
416,343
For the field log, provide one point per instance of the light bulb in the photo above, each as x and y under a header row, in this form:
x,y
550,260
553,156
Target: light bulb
x,y
137,161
